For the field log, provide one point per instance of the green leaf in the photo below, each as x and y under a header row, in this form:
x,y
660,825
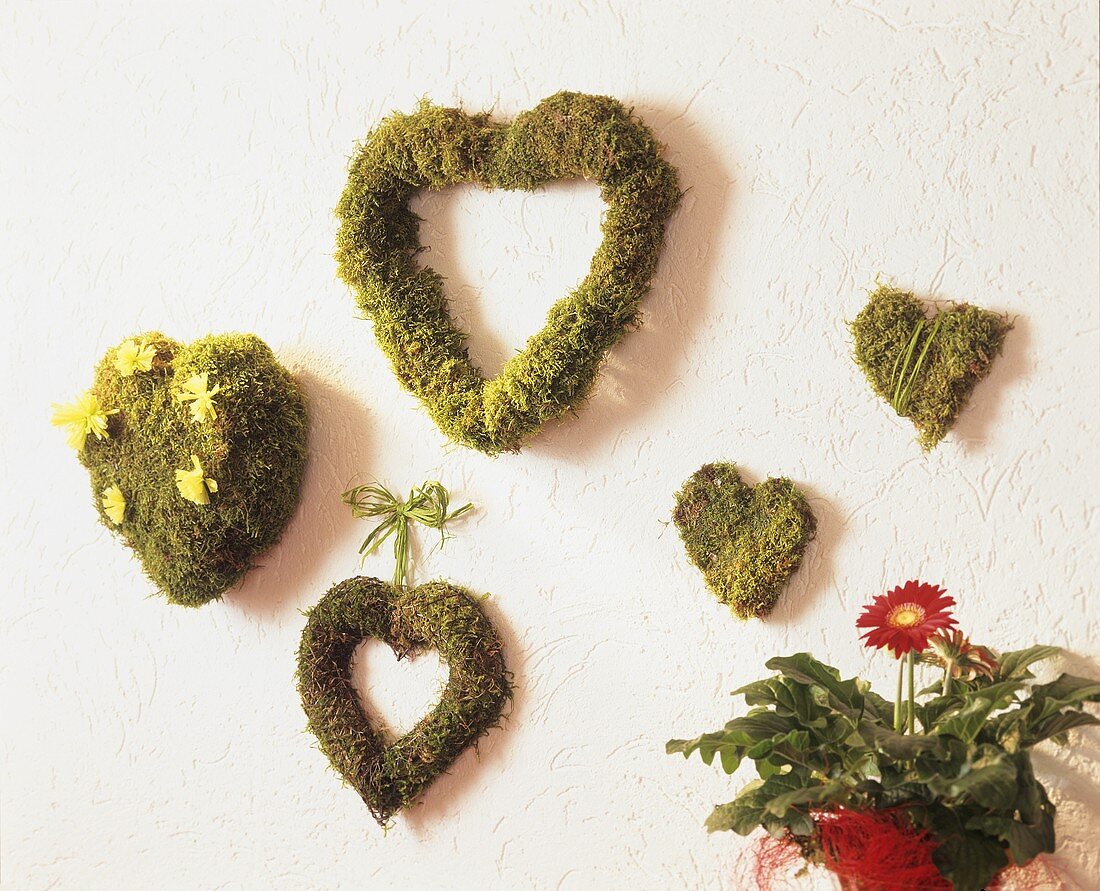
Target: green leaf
x,y
990,780
1014,664
899,746
969,861
878,708
1025,840
1056,726
731,743
750,808
743,814
804,668
787,697
708,745
755,726
780,804
766,769
967,721
1068,689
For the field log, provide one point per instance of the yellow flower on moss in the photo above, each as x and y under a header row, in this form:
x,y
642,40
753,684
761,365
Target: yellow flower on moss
x,y
131,356
114,504
201,395
82,417
194,485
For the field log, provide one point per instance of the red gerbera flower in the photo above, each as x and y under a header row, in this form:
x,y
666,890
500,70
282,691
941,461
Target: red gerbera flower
x,y
904,619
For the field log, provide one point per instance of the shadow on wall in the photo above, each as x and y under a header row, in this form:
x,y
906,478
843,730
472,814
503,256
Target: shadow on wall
x,y
815,576
642,368
1066,773
338,450
977,423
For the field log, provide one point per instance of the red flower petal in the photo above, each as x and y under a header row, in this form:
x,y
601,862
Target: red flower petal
x,y
929,604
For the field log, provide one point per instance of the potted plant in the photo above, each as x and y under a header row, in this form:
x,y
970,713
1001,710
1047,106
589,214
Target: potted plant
x,y
934,790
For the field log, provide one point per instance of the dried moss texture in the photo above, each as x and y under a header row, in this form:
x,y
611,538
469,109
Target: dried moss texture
x,y
567,136
966,341
746,541
436,616
255,449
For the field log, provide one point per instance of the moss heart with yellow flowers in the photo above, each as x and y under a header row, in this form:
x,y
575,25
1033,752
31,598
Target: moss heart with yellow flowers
x,y
195,453
567,136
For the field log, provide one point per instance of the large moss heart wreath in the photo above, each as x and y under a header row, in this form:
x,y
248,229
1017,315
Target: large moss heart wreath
x,y
436,616
567,136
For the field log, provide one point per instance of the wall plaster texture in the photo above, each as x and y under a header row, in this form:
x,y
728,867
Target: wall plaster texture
x,y
175,166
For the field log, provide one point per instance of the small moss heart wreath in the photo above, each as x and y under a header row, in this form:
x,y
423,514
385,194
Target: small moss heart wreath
x,y
436,616
196,454
569,135
926,368
746,541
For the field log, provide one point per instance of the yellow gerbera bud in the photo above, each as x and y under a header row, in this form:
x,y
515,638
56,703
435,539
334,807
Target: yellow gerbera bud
x,y
114,504
82,417
131,357
201,396
194,485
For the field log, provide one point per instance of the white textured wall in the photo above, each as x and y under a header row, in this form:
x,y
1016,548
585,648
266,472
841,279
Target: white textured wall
x,y
175,166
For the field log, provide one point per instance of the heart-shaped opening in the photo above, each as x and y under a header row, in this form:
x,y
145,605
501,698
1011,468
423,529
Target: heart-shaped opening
x,y
501,279
396,693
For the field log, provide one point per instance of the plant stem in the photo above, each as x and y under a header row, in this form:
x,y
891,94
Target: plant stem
x,y
910,661
897,699
950,667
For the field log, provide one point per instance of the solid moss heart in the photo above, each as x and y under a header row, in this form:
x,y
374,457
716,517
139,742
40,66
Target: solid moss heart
x,y
925,368
436,616
195,454
568,136
747,541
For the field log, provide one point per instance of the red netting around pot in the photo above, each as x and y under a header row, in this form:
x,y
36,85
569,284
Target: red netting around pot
x,y
874,851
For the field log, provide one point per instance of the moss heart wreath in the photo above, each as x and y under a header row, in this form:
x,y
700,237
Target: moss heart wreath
x,y
925,368
746,541
569,135
436,616
195,453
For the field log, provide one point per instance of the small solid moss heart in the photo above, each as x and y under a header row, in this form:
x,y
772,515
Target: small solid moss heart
x,y
195,454
746,541
436,616
925,368
568,136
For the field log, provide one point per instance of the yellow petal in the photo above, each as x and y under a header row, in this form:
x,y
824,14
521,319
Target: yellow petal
x,y
193,485
75,438
114,504
200,394
131,357
82,417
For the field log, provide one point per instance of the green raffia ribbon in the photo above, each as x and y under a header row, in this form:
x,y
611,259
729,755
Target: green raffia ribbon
x,y
905,370
427,504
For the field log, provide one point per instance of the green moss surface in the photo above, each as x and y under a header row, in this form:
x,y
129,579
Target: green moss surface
x,y
747,541
436,616
567,136
255,449
958,356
